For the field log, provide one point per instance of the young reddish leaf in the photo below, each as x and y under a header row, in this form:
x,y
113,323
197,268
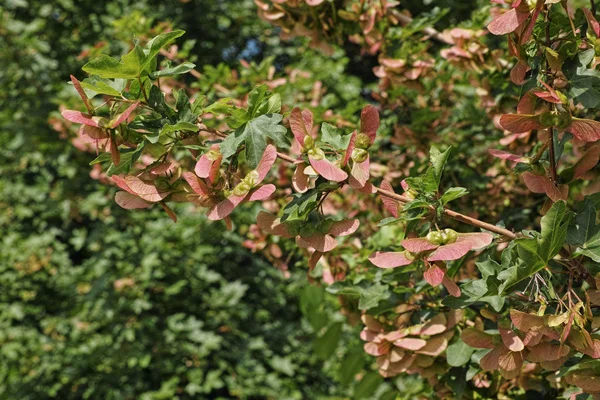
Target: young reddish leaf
x,y
344,228
169,211
130,201
369,122
511,340
80,118
328,170
266,162
434,275
418,245
360,174
585,129
301,123
300,179
389,260
478,339
271,224
412,344
262,193
225,207
390,204
144,190
123,117
593,24
520,123
507,22
451,286
317,241
82,94
196,184
435,325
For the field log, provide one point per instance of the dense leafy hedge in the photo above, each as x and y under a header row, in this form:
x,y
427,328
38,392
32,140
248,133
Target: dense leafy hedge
x,y
99,303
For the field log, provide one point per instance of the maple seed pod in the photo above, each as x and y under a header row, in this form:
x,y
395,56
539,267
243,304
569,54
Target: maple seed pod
x,y
451,236
252,178
316,153
362,141
241,189
409,256
549,119
309,143
564,120
359,155
213,155
435,238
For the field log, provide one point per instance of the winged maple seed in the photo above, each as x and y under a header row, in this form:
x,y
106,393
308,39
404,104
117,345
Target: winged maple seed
x,y
97,129
547,340
443,245
314,162
319,237
208,192
404,348
520,18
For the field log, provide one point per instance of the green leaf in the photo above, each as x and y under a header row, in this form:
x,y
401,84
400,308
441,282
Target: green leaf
x,y
584,82
103,157
256,97
369,295
256,144
128,158
525,257
367,386
459,353
438,162
254,133
153,47
334,136
105,66
351,365
453,194
96,85
180,126
325,346
178,70
585,232
156,100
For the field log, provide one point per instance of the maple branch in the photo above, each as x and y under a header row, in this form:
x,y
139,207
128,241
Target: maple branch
x,y
403,199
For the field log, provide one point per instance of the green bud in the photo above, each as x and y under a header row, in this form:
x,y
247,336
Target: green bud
x,y
409,256
359,155
362,141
